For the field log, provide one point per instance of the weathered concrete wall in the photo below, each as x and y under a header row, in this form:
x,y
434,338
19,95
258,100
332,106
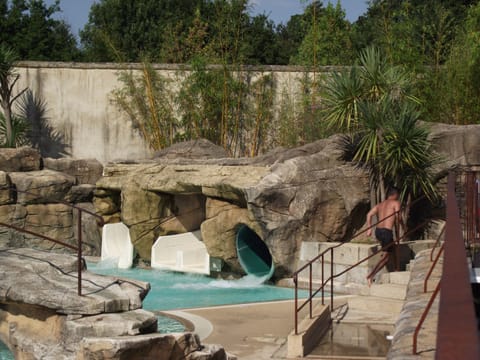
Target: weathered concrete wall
x,y
79,107
78,97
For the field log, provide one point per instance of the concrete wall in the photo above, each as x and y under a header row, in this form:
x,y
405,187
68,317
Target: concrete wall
x,y
79,107
78,98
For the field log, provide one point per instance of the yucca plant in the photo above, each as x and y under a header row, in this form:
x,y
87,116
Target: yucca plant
x,y
18,132
8,79
373,105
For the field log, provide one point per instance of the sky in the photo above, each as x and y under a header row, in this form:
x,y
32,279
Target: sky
x,y
75,12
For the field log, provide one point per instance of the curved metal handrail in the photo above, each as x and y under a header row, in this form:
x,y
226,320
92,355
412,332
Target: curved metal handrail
x,y
77,248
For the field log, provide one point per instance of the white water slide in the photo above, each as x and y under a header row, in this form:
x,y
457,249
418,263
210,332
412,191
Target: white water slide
x,y
181,252
116,245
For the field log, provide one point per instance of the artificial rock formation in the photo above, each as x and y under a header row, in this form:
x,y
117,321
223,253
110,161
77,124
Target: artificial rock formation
x,y
286,197
44,318
40,210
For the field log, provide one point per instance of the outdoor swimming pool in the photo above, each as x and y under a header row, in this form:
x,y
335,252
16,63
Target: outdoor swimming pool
x,y
172,291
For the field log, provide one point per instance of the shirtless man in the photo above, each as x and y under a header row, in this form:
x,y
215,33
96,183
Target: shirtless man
x,y
389,210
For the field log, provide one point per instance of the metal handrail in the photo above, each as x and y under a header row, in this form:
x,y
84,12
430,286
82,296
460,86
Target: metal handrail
x,y
457,336
423,317
312,294
77,248
432,267
437,242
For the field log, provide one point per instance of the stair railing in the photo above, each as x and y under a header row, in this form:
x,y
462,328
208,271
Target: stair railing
x,y
77,248
457,333
333,276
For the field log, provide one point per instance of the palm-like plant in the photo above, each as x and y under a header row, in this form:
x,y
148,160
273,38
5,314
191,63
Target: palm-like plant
x,y
8,79
18,132
372,103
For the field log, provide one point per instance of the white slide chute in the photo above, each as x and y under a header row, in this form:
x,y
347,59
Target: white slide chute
x,y
181,252
117,245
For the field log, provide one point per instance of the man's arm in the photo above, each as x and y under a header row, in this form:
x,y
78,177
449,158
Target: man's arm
x,y
370,214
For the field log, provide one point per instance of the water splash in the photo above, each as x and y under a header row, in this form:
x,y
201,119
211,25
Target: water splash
x,y
246,282
108,263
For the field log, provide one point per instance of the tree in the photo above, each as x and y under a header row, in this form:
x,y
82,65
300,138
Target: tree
x,y
290,36
327,41
373,105
28,27
13,126
450,93
132,30
411,32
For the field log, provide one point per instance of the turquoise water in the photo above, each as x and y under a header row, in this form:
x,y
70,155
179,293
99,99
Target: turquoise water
x,y
5,353
171,291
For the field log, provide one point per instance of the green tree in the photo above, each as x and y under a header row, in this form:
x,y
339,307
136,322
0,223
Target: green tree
x,y
411,32
260,39
372,103
450,93
28,27
130,30
289,37
327,41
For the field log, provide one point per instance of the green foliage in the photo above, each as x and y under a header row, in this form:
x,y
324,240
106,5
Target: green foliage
x,y
411,32
373,79
11,125
147,100
19,132
327,41
227,107
373,104
450,94
28,27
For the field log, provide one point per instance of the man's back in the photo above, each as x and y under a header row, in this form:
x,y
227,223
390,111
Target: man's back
x,y
386,209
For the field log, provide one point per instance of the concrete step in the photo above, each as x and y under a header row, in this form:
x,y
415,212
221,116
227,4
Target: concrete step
x,y
375,304
388,291
395,277
367,317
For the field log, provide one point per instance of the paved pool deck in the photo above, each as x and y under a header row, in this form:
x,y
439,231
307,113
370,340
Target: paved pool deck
x,y
255,331
250,331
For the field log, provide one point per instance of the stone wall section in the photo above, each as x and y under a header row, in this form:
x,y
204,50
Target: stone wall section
x,y
51,182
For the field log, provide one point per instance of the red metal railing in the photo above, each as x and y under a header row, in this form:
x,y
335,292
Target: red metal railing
x,y
324,283
77,248
457,333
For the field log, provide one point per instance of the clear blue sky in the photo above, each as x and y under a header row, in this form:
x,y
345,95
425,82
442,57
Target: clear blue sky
x,y
75,12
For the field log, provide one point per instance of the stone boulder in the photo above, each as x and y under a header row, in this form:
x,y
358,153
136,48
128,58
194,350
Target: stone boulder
x,y
161,199
91,231
47,186
301,200
456,145
6,196
193,149
306,194
220,228
20,159
85,171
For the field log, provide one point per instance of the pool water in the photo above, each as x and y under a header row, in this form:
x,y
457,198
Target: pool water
x,y
172,291
5,353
